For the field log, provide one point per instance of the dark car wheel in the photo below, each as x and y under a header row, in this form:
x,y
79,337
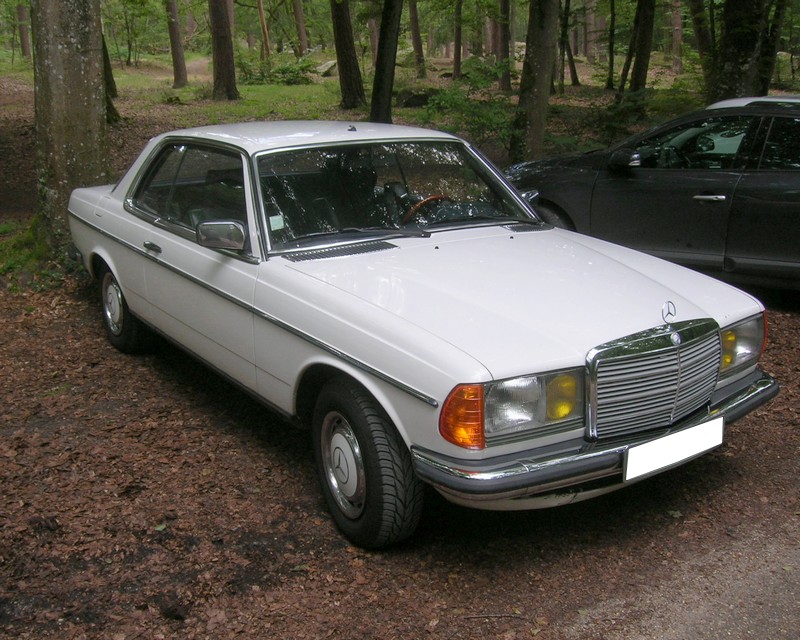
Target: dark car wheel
x,y
124,331
558,219
364,468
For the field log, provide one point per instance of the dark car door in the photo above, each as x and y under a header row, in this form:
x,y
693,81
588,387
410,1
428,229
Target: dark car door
x,y
764,232
677,203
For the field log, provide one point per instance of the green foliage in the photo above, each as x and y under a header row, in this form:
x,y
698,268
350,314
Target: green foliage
x,y
26,261
254,70
473,107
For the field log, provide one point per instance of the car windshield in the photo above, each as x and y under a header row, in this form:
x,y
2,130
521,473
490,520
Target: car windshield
x,y
345,192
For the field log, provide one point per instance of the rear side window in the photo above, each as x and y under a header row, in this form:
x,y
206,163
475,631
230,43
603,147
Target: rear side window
x,y
782,150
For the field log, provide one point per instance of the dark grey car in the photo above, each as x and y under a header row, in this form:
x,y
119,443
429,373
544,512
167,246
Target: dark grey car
x,y
717,190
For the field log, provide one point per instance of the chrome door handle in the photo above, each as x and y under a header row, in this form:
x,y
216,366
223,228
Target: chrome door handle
x,y
711,198
151,246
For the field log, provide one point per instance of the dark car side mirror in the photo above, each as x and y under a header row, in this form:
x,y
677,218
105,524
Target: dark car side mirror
x,y
624,158
221,234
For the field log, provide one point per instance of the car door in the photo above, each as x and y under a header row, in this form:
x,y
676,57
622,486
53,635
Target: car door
x,y
677,203
202,297
764,232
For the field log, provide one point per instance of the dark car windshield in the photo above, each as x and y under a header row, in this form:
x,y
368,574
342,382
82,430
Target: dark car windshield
x,y
347,192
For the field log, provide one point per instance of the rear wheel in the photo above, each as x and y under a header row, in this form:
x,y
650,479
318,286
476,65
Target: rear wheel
x,y
364,468
124,331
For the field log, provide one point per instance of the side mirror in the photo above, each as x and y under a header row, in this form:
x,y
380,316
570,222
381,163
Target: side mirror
x,y
625,159
530,195
221,234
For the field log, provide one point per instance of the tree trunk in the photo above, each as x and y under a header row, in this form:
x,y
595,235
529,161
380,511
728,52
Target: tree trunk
x,y
71,130
737,62
266,46
563,43
300,23
23,22
612,33
769,47
108,73
677,36
110,85
222,52
416,39
646,10
381,107
457,37
179,76
504,44
527,138
350,82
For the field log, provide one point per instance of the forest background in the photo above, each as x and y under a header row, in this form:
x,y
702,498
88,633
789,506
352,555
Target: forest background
x,y
519,78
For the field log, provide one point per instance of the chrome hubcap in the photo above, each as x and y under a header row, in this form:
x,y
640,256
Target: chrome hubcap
x,y
344,465
112,304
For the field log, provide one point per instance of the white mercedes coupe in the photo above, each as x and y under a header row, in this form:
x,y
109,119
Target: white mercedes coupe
x,y
386,287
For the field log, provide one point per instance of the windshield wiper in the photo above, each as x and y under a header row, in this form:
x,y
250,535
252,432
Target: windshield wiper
x,y
366,231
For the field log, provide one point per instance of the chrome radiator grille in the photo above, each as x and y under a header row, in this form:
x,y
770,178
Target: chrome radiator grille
x,y
651,379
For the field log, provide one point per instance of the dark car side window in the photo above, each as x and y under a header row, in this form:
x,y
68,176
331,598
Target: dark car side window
x,y
782,150
712,143
187,185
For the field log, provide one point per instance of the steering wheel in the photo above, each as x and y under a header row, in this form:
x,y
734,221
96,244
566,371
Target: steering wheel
x,y
414,209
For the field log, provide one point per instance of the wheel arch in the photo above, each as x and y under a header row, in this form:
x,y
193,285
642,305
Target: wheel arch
x,y
314,378
544,203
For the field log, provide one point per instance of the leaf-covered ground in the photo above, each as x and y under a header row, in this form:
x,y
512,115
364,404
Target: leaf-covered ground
x,y
143,497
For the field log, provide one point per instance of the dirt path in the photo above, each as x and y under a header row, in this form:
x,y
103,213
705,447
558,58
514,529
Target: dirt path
x,y
145,498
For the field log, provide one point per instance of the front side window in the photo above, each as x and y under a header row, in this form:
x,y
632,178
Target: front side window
x,y
712,143
187,185
382,187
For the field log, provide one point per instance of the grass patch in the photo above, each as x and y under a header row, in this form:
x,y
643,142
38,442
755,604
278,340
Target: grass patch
x,y
26,262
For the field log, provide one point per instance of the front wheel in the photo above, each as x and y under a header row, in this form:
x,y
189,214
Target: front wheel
x,y
557,218
124,331
364,468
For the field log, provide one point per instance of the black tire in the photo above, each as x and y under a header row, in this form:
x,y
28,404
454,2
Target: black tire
x,y
550,215
364,468
124,330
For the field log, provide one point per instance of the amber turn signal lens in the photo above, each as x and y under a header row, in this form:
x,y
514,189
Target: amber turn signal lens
x,y
461,420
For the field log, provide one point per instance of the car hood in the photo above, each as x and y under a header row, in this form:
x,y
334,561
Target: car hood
x,y
532,168
510,299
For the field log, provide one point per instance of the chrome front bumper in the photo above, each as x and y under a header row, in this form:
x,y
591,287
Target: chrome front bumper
x,y
572,466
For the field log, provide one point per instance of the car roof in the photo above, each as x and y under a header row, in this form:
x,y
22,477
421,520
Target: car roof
x,y
757,101
264,136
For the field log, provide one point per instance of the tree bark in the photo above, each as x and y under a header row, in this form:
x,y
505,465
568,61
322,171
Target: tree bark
x,y
677,36
416,39
23,24
457,38
381,106
612,34
736,63
769,46
70,110
527,140
266,45
300,24
646,10
350,82
179,75
222,52
504,44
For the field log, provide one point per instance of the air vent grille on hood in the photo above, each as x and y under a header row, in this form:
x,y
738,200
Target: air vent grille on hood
x,y
339,251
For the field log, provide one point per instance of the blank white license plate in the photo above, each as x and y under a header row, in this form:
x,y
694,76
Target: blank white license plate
x,y
673,449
